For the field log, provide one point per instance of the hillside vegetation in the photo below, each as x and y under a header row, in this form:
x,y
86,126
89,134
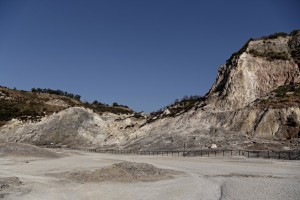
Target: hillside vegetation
x,y
282,97
32,106
177,108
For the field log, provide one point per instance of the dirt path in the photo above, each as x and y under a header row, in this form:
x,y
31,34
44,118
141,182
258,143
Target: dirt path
x,y
203,178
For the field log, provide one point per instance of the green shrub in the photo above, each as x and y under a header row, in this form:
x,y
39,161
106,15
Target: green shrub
x,y
296,55
294,32
275,35
270,55
282,90
265,101
57,92
183,105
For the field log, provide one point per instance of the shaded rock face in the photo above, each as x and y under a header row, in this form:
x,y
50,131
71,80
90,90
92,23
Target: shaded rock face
x,y
230,116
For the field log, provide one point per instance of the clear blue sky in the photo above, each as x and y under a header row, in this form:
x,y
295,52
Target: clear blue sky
x,y
141,53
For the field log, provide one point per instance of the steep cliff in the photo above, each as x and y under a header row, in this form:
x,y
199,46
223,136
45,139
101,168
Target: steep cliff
x,y
254,103
264,65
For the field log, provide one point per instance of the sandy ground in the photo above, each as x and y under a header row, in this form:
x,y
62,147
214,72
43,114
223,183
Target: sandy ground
x,y
202,178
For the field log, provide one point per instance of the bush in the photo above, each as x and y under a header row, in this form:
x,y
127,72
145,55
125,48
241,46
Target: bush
x,y
56,92
282,90
183,105
296,55
115,104
275,35
294,32
270,55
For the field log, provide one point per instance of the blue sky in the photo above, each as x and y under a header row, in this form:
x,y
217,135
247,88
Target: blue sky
x,y
141,53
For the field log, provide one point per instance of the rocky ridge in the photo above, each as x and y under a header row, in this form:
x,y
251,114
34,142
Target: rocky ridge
x,y
246,108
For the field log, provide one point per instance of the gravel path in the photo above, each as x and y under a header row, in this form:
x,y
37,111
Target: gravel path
x,y
202,178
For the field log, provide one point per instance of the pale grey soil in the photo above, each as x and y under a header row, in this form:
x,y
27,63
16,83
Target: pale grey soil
x,y
120,172
202,178
25,150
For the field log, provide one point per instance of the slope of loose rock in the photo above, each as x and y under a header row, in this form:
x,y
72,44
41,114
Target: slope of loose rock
x,y
120,172
74,126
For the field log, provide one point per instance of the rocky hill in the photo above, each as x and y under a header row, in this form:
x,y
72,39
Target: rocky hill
x,y
43,118
32,106
254,104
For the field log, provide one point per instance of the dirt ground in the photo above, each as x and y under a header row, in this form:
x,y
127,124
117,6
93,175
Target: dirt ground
x,y
200,178
25,150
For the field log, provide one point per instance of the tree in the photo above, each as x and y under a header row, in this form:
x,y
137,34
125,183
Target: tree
x,y
77,97
115,104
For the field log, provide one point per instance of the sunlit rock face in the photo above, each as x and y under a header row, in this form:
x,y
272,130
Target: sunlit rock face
x,y
249,77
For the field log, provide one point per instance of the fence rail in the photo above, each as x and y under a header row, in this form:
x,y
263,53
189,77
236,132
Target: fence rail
x,y
287,155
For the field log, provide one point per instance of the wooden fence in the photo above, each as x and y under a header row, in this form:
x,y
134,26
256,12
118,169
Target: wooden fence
x,y
287,155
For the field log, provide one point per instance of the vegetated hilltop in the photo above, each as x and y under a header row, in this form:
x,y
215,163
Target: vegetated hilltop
x,y
46,116
254,104
32,106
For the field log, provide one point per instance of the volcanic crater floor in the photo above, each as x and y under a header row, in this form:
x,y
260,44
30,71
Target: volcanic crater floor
x,y
85,175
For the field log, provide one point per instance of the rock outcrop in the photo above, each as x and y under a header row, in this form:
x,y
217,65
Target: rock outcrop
x,y
254,74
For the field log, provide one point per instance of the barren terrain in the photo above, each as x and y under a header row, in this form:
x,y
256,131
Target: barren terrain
x,y
181,178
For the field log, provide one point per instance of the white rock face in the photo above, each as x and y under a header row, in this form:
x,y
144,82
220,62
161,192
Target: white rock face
x,y
74,126
252,77
167,112
57,102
